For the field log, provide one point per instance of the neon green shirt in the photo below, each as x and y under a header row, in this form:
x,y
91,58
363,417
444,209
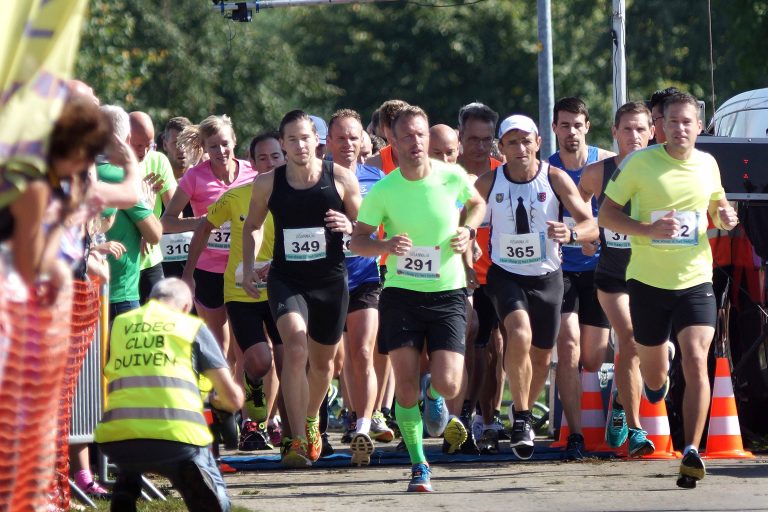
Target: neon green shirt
x,y
656,183
233,206
428,211
158,163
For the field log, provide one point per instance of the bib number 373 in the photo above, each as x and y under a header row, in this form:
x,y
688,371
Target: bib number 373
x,y
689,228
420,262
305,244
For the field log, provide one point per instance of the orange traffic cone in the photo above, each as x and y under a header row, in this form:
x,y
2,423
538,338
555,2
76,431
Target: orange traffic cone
x,y
654,420
724,438
592,417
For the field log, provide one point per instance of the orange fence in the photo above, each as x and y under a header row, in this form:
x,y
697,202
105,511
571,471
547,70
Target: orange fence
x,y
37,342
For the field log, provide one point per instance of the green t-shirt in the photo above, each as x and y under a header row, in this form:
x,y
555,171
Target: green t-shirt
x,y
110,174
233,206
656,183
124,273
158,163
428,211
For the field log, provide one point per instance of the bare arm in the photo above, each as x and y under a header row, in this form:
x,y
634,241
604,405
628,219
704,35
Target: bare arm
x,y
196,246
722,214
150,228
28,235
229,396
362,243
566,190
252,236
591,182
117,195
611,217
171,219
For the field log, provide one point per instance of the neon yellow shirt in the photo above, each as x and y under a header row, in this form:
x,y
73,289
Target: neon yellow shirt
x,y
157,163
428,211
656,183
233,206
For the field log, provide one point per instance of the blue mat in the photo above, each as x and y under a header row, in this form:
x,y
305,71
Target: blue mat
x,y
391,457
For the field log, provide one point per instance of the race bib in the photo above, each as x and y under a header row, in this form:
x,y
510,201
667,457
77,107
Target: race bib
x,y
305,244
261,285
346,240
616,240
219,238
523,249
689,228
570,223
176,246
420,262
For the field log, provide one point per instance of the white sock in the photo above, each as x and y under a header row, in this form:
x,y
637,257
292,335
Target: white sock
x,y
363,426
689,448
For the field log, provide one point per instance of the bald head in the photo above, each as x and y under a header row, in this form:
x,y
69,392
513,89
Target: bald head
x,y
142,133
174,292
443,143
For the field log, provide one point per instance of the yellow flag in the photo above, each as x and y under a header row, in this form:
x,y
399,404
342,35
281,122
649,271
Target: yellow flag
x,y
38,44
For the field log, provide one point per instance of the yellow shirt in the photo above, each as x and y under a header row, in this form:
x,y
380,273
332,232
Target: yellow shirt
x,y
656,183
233,206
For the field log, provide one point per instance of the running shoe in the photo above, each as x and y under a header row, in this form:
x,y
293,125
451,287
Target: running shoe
x,y
616,433
255,400
499,425
314,441
435,413
350,427
285,445
380,431
253,437
656,396
488,444
401,446
521,438
94,491
326,449
469,447
296,456
275,431
455,434
575,449
639,444
692,469
478,426
361,448
420,481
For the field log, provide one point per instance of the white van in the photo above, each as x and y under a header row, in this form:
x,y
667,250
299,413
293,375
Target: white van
x,y
744,115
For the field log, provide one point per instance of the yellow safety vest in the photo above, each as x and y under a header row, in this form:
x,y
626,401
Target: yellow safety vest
x,y
152,390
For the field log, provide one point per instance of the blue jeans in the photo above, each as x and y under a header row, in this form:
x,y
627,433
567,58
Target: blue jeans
x,y
118,308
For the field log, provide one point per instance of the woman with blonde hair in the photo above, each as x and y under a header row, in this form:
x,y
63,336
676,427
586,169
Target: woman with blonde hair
x,y
201,186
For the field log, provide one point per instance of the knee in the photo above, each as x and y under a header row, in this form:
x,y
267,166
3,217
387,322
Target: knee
x,y
295,354
360,355
258,362
447,385
568,352
540,358
695,364
592,363
407,393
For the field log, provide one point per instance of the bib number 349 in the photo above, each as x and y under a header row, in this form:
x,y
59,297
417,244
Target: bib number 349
x,y
420,262
305,244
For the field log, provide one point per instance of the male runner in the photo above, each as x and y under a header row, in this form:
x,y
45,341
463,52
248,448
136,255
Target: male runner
x,y
386,159
310,201
424,296
443,143
669,277
525,282
632,129
584,328
657,113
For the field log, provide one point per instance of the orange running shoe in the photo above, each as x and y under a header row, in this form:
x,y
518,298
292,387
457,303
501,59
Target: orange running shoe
x,y
296,456
314,442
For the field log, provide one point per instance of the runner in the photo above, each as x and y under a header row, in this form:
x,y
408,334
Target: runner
x,y
632,130
669,277
424,298
345,138
386,159
307,284
443,143
201,186
525,281
584,328
657,112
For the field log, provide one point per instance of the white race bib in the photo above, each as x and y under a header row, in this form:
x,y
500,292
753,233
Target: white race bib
x,y
219,238
346,240
261,285
305,244
523,249
570,223
616,240
420,262
689,228
176,246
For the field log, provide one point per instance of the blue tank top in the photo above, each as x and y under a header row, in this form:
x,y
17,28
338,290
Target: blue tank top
x,y
573,259
362,269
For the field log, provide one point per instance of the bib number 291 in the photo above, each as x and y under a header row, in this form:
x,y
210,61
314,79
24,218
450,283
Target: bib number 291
x,y
420,263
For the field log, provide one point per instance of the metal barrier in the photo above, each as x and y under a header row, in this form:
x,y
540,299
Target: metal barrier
x,y
87,403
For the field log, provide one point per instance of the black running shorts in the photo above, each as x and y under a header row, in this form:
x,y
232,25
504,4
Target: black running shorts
x,y
657,312
365,296
579,296
487,320
610,284
249,320
540,296
209,288
408,319
322,305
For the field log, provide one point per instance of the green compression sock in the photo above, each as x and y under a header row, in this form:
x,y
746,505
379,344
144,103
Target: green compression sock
x,y
409,421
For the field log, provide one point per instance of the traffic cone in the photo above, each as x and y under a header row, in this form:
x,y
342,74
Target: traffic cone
x,y
654,420
592,417
724,438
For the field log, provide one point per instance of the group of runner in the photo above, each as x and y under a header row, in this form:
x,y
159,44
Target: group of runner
x,y
448,242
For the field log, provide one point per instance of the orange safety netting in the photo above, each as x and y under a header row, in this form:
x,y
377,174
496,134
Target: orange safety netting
x,y
85,316
34,342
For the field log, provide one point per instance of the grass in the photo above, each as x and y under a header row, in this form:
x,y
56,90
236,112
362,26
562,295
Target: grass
x,y
172,505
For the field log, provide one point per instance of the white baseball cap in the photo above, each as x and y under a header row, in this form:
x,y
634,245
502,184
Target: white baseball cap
x,y
518,122
321,127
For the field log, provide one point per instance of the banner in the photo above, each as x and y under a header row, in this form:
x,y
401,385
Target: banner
x,y
38,44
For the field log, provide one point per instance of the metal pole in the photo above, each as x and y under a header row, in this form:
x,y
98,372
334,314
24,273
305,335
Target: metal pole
x,y
268,4
546,82
619,55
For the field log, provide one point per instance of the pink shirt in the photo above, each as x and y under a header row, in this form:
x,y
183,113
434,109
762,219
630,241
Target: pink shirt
x,y
203,189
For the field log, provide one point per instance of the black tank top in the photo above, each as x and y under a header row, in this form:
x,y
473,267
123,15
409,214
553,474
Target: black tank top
x,y
305,249
613,261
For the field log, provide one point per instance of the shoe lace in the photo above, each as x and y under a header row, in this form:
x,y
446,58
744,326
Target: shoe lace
x,y
313,432
420,471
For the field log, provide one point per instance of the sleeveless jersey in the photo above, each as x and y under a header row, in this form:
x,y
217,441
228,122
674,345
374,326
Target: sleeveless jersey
x,y
573,259
614,247
305,249
531,254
